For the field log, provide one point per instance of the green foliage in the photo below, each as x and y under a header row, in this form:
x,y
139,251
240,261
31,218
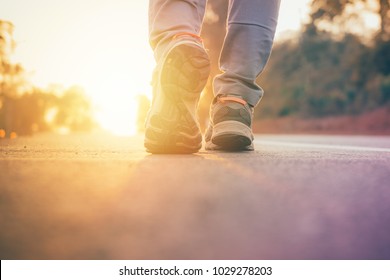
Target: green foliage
x,y
319,76
381,57
385,89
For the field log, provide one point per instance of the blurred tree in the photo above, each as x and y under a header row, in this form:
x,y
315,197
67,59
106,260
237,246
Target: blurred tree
x,y
25,109
6,40
28,111
340,12
74,110
384,14
11,75
317,73
11,78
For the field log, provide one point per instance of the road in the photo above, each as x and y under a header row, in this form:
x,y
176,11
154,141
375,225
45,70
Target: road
x,y
103,197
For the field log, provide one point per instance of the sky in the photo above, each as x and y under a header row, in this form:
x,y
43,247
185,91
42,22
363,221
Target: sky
x,y
100,45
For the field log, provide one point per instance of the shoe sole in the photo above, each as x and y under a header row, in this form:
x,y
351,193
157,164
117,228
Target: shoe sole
x,y
172,128
232,136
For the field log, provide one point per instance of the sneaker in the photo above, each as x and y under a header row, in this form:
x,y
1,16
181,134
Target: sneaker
x,y
179,78
230,125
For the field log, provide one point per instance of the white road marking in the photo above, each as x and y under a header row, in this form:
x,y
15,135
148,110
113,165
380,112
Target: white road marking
x,y
321,146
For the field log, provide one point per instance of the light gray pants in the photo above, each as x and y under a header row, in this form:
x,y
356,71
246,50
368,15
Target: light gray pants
x,y
247,47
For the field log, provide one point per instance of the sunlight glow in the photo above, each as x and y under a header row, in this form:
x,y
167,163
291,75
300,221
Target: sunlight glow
x,y
50,115
119,116
292,15
101,46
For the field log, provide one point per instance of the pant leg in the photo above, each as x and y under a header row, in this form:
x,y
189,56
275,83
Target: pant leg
x,y
169,17
247,47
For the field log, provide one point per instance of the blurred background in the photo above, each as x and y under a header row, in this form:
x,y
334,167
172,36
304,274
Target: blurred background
x,y
70,66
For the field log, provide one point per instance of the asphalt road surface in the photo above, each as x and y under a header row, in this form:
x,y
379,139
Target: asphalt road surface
x,y
104,197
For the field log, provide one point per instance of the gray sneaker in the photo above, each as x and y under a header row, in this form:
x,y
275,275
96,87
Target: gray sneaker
x,y
179,78
230,125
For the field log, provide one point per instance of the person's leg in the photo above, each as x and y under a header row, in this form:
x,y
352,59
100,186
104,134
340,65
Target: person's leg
x,y
181,73
170,17
247,47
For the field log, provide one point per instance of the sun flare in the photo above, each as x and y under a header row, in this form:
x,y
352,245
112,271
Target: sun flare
x,y
115,95
101,46
118,116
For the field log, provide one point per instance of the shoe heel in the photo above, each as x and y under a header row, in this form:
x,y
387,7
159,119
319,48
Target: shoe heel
x,y
172,125
232,135
186,71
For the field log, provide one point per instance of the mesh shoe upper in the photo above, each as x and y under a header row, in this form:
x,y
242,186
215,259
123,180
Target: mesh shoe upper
x,y
230,124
